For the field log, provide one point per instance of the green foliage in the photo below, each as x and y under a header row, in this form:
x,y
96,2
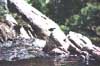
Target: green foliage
x,y
41,5
2,13
29,1
83,18
86,22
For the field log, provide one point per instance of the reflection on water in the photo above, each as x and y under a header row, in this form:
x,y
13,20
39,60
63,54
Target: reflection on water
x,y
48,62
63,62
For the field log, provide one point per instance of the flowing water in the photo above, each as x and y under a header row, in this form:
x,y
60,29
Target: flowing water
x,y
49,62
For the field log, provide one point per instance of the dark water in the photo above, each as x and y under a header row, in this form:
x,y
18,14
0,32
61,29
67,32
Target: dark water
x,y
66,63
49,62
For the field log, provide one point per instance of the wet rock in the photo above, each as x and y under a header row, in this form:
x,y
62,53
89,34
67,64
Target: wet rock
x,y
20,48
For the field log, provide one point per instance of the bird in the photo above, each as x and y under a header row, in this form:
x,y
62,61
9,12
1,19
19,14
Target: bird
x,y
52,29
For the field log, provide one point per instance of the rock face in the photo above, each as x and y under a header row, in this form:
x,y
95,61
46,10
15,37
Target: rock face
x,y
20,48
13,47
51,39
5,32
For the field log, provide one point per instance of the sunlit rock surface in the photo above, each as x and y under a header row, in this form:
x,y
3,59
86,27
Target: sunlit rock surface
x,y
20,48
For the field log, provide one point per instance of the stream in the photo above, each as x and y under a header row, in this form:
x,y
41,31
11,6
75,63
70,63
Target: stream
x,y
71,61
